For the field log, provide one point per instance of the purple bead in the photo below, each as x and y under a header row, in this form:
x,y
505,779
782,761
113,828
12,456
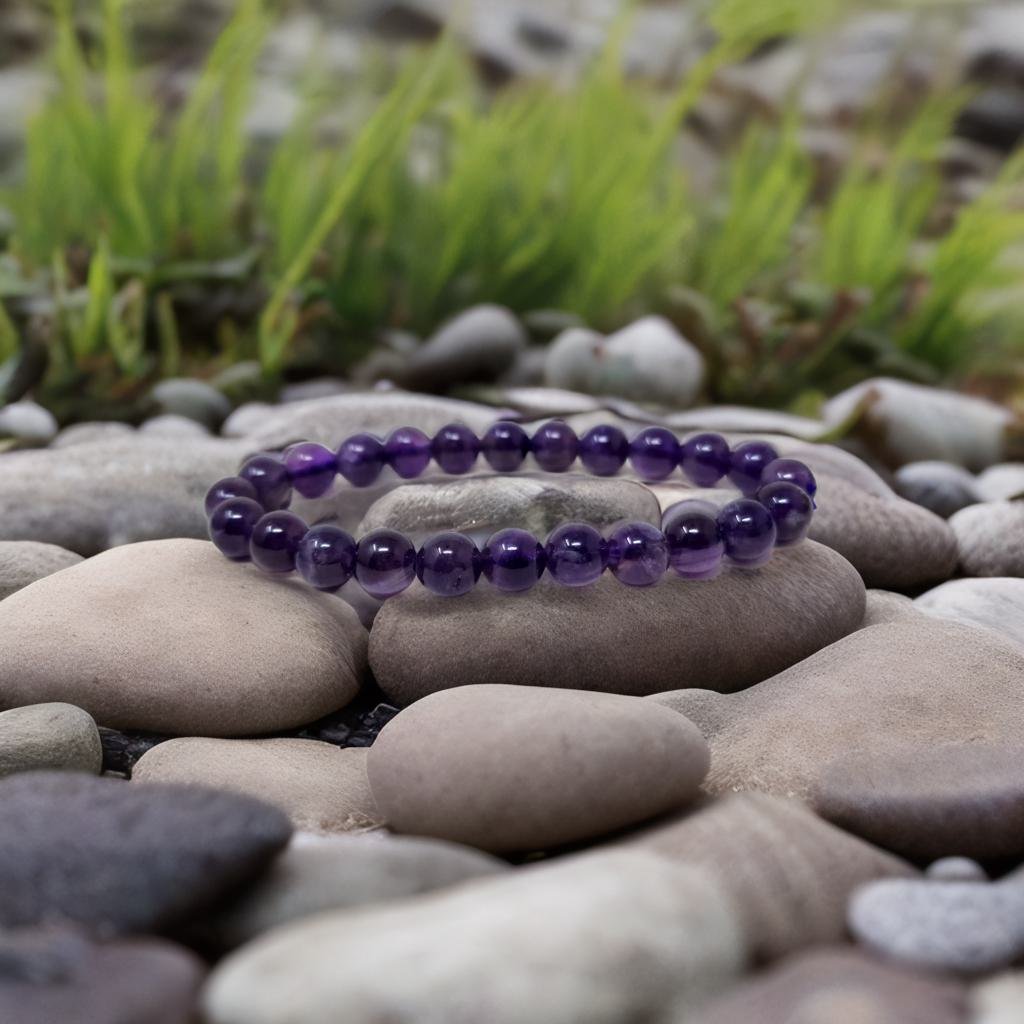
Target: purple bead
x,y
748,462
555,446
455,448
576,554
748,532
326,557
270,478
385,563
513,560
360,459
791,509
705,459
637,554
407,451
791,471
654,453
275,541
231,525
311,468
695,547
603,450
229,487
448,564
505,446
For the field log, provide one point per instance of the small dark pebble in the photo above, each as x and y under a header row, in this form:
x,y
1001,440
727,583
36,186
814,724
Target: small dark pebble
x,y
42,956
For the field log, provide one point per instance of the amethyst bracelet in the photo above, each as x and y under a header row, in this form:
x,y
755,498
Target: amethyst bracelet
x,y
248,517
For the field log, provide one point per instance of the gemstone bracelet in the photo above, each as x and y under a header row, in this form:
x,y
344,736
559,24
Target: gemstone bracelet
x,y
247,517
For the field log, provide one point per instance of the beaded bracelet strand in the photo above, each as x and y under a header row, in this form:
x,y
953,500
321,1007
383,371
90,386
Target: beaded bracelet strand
x,y
248,517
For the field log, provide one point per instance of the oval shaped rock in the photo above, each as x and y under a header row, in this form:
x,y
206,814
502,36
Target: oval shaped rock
x,y
602,938
483,505
964,799
57,976
54,736
90,497
171,637
883,692
940,487
507,768
322,788
990,538
788,873
113,857
24,561
319,873
723,634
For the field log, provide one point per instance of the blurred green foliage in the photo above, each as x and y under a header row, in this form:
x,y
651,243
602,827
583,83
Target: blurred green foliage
x,y
128,217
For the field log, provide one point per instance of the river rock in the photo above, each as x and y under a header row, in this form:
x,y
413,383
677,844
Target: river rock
x,y
478,344
98,495
507,768
991,538
883,693
788,873
998,1000
620,639
92,432
648,361
963,799
902,422
322,788
58,736
172,425
171,637
320,873
24,561
838,985
885,606
113,857
482,505
970,927
193,399
600,938
27,421
996,602
940,487
892,543
330,420
55,975
1001,482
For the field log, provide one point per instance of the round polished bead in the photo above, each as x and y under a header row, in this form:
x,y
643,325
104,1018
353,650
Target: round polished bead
x,y
555,446
448,564
576,554
695,547
270,478
311,468
505,446
275,541
792,471
637,554
705,459
791,509
603,450
748,462
231,525
513,560
326,557
654,453
455,448
385,563
229,487
748,532
360,459
407,451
